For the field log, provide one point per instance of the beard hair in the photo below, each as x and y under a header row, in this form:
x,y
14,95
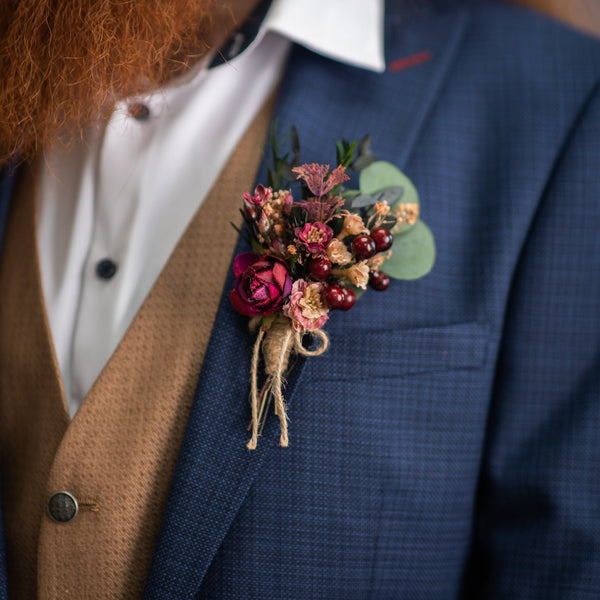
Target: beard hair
x,y
64,63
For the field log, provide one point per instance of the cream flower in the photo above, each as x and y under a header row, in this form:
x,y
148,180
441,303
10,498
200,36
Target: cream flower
x,y
406,214
381,208
353,225
376,261
358,274
338,253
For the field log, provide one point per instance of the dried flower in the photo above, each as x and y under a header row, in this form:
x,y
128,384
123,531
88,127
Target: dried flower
x,y
315,237
262,284
252,202
353,225
358,274
376,261
305,307
381,209
338,253
283,200
406,214
317,179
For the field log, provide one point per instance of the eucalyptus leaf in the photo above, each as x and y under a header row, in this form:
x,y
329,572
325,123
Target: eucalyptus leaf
x,y
390,195
295,141
382,175
399,230
363,161
363,200
349,194
413,253
364,145
287,173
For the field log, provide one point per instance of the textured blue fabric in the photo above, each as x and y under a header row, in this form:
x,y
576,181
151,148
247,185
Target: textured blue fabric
x,y
6,187
446,445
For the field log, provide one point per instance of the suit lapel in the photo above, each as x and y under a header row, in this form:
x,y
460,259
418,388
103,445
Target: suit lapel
x,y
325,101
7,183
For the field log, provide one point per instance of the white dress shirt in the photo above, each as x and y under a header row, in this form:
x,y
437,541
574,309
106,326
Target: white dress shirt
x,y
127,192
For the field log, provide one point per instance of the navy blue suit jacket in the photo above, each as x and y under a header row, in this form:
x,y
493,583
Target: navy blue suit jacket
x,y
446,446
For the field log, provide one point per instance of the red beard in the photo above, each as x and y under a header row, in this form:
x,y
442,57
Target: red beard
x,y
64,63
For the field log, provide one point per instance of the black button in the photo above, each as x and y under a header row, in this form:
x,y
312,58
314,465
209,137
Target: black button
x,y
106,268
138,111
62,507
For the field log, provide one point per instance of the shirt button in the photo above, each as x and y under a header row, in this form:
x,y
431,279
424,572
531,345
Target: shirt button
x,y
106,268
62,507
138,111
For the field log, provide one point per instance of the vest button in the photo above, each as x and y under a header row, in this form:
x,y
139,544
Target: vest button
x,y
62,507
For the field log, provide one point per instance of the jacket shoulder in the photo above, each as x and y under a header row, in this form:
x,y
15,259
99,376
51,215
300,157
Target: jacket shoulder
x,y
530,47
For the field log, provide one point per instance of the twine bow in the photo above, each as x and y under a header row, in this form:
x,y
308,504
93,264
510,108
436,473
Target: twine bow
x,y
278,343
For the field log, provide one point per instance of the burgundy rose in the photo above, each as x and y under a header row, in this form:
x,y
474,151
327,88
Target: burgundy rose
x,y
315,237
262,284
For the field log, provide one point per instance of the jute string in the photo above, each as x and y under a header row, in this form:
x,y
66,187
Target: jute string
x,y
277,343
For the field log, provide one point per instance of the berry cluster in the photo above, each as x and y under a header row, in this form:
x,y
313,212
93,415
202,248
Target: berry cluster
x,y
363,247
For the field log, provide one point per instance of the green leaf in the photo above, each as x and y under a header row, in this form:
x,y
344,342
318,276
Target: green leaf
x,y
381,175
413,253
363,200
349,194
362,162
345,152
364,146
266,322
256,247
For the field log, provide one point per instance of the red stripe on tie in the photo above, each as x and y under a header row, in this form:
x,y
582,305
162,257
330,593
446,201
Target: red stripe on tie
x,y
410,61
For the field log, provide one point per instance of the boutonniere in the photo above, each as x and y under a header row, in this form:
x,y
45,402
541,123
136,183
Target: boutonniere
x,y
316,252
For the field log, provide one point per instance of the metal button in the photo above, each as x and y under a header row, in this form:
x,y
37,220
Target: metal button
x,y
106,268
62,507
139,111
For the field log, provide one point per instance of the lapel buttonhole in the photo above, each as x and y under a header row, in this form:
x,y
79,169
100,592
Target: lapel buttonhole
x,y
406,62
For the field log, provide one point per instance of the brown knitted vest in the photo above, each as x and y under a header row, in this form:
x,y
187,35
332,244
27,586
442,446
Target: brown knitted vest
x,y
118,454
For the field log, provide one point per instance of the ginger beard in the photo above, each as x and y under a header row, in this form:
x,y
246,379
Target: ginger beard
x,y
64,63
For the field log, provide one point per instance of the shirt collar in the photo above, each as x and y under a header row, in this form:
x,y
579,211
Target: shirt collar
x,y
350,31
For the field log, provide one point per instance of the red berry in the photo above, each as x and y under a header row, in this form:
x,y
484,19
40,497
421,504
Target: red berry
x,y
383,238
379,281
334,296
319,268
349,299
363,246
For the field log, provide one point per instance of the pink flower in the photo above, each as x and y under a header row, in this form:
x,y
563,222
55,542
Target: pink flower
x,y
262,284
258,199
306,308
315,237
261,195
317,179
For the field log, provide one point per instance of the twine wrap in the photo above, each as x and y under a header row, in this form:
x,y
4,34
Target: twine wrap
x,y
278,343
